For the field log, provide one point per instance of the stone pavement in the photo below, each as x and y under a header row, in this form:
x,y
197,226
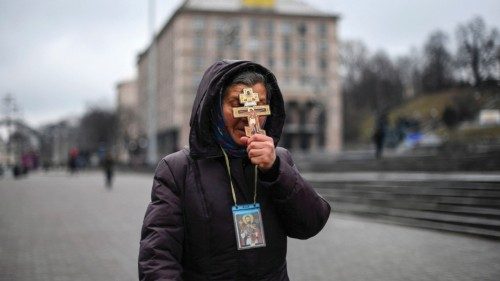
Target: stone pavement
x,y
60,227
493,177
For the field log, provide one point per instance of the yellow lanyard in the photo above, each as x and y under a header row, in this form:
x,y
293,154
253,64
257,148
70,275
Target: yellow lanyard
x,y
231,181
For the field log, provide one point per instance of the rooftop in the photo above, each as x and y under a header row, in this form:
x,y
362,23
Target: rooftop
x,y
278,7
288,7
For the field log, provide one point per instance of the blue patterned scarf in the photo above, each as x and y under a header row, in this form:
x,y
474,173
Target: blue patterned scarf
x,y
220,133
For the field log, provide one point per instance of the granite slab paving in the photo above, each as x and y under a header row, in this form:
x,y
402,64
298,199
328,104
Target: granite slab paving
x,y
493,177
56,226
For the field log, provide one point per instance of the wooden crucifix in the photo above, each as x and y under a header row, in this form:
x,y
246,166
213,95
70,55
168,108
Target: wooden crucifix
x,y
252,111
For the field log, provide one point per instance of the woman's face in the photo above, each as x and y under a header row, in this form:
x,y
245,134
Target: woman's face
x,y
236,126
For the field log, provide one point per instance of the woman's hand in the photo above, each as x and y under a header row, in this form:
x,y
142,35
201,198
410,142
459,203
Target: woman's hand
x,y
260,149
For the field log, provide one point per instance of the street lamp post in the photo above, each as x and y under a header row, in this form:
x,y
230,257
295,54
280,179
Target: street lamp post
x,y
152,152
10,107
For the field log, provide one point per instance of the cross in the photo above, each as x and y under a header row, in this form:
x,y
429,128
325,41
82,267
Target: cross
x,y
252,111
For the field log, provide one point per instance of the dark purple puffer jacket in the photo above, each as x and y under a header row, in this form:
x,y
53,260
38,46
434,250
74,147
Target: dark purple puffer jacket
x,y
188,231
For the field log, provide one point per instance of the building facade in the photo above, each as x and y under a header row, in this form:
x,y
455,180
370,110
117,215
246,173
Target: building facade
x,y
297,42
57,141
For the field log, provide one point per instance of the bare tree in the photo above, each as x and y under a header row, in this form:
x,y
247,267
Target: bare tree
x,y
353,58
409,69
478,50
98,128
371,85
386,87
437,72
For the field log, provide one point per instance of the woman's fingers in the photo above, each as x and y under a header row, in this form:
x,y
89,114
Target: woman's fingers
x,y
261,151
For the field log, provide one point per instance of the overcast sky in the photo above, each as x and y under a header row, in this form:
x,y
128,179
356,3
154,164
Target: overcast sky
x,y
59,56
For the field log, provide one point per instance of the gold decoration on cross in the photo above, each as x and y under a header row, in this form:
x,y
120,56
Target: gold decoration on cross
x,y
251,111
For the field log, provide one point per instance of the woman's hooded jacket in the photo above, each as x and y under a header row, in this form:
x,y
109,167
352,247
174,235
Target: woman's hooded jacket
x,y
188,231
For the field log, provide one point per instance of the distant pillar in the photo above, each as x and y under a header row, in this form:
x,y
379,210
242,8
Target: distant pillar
x,y
152,153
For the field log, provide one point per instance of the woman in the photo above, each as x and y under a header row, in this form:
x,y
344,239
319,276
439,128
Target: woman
x,y
200,195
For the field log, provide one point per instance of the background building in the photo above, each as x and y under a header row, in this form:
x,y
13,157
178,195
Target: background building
x,y
297,42
57,141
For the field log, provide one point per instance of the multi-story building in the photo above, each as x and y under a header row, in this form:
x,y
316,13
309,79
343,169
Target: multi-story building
x,y
296,41
57,140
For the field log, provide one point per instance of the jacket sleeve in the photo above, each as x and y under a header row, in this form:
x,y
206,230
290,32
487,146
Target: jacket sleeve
x,y
301,209
162,234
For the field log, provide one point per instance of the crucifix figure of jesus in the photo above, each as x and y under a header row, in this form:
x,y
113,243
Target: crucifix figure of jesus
x,y
251,111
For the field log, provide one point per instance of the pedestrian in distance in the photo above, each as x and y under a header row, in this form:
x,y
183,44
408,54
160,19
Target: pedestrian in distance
x,y
223,208
380,134
73,160
107,166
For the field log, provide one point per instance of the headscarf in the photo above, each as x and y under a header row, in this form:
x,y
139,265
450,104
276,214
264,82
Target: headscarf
x,y
202,141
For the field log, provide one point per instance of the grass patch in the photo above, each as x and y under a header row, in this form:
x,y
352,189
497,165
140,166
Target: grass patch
x,y
476,134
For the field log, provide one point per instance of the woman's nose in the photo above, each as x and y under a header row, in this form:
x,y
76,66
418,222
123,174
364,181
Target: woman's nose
x,y
244,120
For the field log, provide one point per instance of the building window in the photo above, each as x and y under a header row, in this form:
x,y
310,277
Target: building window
x,y
303,46
323,63
288,62
198,62
220,25
232,35
199,24
270,62
254,27
228,34
303,63
304,79
322,29
199,42
269,46
302,29
287,44
323,47
220,41
324,81
270,27
255,57
286,28
196,79
253,44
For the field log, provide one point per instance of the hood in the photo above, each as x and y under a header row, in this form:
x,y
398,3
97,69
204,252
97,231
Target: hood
x,y
202,144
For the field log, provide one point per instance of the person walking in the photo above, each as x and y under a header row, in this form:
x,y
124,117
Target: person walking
x,y
107,165
379,135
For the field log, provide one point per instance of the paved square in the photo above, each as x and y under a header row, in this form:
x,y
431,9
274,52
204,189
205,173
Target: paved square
x,y
60,227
